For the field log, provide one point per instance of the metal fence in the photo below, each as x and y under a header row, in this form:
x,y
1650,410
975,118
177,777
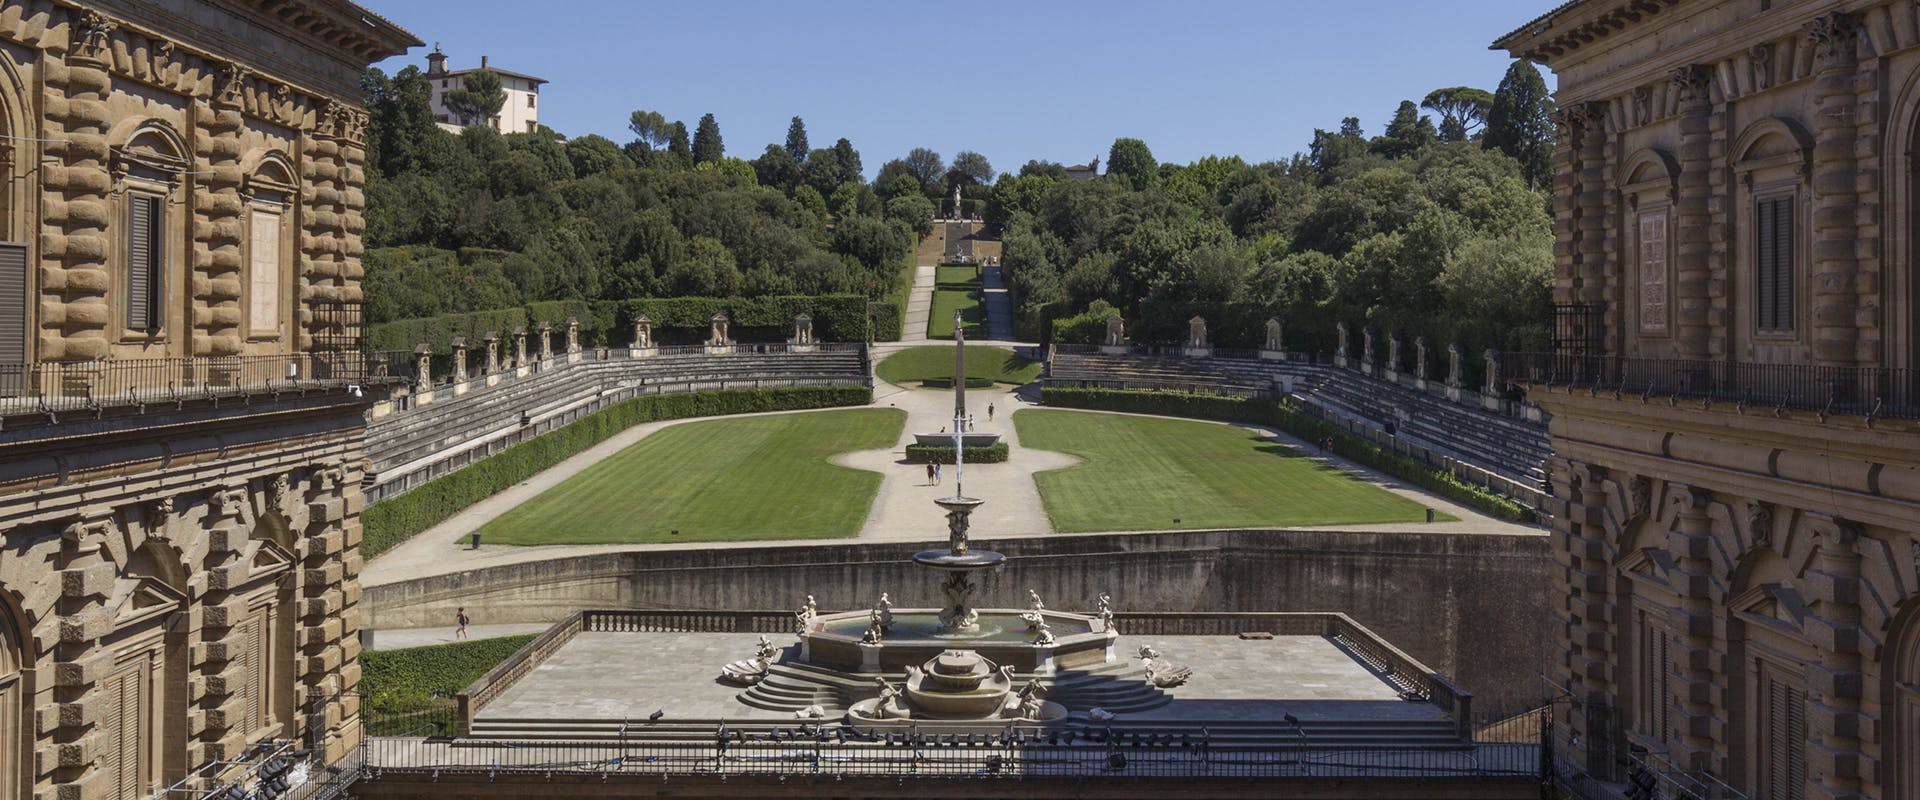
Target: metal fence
x,y
66,385
1018,754
1865,391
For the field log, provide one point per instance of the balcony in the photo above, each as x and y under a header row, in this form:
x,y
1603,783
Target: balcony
x,y
1870,392
44,392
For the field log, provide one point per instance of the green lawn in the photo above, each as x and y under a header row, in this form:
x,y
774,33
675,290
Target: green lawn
x,y
723,480
983,361
1146,473
945,301
958,277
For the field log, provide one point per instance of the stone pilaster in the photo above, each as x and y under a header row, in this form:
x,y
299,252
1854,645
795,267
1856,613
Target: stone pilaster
x,y
1836,264
74,313
1695,656
327,645
1693,251
325,173
1593,184
217,687
217,259
1585,578
1836,718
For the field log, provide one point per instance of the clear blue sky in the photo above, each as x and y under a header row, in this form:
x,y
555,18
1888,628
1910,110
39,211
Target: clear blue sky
x,y
1013,80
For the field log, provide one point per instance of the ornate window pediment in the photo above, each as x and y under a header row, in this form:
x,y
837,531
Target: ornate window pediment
x,y
1648,565
264,559
151,152
1772,604
139,600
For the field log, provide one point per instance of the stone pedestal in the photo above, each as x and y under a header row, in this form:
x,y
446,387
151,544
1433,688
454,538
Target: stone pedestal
x,y
1273,355
1115,349
1197,352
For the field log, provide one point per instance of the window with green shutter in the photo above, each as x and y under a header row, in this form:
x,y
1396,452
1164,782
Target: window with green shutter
x,y
1773,264
145,245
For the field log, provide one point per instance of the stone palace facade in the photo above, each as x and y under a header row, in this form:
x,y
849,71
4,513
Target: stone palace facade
x,y
1736,477
181,412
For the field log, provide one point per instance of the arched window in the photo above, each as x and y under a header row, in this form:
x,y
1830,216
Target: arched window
x,y
13,709
1767,673
1647,185
269,193
1771,244
146,169
16,279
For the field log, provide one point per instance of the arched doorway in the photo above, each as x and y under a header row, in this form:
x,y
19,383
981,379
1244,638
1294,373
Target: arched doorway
x,y
1903,704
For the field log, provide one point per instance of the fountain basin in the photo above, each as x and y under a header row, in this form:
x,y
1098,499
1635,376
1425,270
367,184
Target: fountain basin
x,y
958,562
968,439
833,640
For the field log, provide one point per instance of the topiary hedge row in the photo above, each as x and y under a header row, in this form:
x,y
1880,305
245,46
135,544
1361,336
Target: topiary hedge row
x,y
412,689
391,521
943,454
1298,423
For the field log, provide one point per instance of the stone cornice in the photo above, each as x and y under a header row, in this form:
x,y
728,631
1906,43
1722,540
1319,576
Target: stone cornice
x,y
1574,25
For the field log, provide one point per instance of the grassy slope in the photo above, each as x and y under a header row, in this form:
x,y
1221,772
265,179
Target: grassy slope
x,y
958,277
724,480
935,361
1143,472
945,301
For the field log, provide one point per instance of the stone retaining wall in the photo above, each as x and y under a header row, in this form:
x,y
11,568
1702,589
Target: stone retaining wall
x,y
1467,604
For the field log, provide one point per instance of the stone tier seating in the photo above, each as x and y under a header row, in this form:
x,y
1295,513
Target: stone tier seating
x,y
423,442
1512,448
959,245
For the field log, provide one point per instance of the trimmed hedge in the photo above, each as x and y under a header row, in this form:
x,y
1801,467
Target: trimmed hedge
x,y
391,521
947,383
836,317
943,454
413,688
1298,423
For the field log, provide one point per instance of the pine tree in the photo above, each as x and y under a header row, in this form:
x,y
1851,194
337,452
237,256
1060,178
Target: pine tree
x,y
797,140
1407,134
706,141
1519,122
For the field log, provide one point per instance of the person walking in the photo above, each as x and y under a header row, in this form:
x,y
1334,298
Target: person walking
x,y
936,474
930,475
460,617
989,412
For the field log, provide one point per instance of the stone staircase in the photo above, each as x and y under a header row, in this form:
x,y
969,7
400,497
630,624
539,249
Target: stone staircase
x,y
1512,448
427,441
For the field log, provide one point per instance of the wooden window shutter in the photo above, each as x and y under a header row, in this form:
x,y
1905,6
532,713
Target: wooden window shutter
x,y
1773,264
144,247
250,676
13,304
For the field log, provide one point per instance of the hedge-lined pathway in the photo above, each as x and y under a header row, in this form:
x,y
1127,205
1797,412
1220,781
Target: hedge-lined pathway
x,y
903,510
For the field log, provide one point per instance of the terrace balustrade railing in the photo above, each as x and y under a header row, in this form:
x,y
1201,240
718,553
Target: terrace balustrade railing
x,y
1872,392
1019,753
58,386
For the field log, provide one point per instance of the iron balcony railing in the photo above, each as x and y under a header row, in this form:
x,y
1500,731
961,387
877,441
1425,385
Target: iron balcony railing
x,y
55,386
1872,392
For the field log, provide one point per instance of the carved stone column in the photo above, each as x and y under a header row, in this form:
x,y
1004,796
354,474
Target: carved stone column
x,y
213,721
1835,272
573,336
85,579
520,348
492,341
546,341
1693,251
1585,578
1836,717
1592,273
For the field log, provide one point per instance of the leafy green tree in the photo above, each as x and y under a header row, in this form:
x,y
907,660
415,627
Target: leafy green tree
x,y
849,161
1050,169
776,168
706,141
1330,150
970,169
1407,134
797,140
651,127
914,210
1462,110
678,146
478,99
593,154
926,166
1133,163
1519,122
